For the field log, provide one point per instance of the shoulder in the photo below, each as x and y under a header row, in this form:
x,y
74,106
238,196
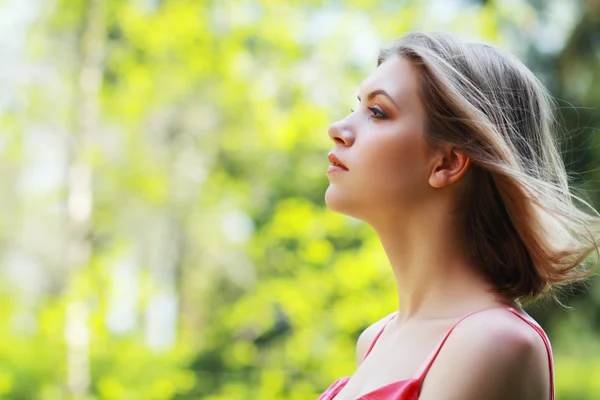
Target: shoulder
x,y
499,333
367,336
492,355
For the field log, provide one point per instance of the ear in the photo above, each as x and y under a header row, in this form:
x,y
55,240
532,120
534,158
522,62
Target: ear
x,y
450,164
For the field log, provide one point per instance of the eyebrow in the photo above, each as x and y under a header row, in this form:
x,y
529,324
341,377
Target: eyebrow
x,y
378,92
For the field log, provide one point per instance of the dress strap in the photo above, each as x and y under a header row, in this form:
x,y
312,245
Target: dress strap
x,y
437,351
546,341
378,334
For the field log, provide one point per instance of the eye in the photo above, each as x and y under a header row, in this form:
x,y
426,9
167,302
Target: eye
x,y
377,113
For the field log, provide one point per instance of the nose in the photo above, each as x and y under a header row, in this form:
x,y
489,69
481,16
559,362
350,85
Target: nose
x,y
340,132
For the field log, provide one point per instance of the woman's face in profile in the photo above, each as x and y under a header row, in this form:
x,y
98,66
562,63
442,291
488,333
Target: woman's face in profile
x,y
382,145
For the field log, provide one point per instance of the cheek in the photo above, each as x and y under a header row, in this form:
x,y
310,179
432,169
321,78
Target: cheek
x,y
396,164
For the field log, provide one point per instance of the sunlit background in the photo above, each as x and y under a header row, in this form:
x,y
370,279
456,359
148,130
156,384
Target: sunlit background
x,y
164,233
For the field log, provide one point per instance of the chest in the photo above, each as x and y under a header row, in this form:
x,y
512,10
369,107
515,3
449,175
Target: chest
x,y
397,356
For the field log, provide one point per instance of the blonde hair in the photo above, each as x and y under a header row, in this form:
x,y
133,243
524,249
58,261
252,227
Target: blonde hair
x,y
521,227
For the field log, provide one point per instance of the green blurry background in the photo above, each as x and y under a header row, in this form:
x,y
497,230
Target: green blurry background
x,y
162,224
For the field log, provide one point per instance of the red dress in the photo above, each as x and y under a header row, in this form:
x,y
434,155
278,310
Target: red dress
x,y
409,389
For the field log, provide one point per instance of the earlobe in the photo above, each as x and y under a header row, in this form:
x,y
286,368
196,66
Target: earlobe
x,y
439,176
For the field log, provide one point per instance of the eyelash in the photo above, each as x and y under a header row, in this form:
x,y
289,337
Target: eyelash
x,y
377,113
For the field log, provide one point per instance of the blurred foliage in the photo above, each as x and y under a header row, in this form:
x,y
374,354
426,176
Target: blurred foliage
x,y
196,130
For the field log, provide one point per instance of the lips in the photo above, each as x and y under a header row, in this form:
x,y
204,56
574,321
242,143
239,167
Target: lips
x,y
336,161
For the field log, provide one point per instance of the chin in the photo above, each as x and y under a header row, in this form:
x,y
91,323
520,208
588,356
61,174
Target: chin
x,y
339,202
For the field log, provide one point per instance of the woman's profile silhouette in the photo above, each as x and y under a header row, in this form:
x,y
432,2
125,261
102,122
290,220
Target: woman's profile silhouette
x,y
451,158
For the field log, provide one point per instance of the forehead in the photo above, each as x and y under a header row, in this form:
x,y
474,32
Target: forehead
x,y
397,76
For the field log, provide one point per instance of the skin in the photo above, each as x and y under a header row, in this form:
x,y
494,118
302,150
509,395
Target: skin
x,y
407,193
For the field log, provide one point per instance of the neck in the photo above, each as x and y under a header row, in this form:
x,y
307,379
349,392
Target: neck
x,y
433,276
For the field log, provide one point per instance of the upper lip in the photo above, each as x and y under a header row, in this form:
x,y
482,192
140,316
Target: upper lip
x,y
336,161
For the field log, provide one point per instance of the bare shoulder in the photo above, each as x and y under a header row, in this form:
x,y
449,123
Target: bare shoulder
x,y
367,336
492,355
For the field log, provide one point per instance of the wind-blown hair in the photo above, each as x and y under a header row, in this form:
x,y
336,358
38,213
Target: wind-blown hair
x,y
519,220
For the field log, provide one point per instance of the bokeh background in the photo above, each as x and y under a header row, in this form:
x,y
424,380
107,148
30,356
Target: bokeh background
x,y
163,233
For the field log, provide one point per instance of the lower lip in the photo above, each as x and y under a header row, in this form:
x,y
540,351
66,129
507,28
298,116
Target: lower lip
x,y
335,168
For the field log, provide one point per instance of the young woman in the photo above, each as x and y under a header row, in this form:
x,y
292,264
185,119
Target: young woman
x,y
450,157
